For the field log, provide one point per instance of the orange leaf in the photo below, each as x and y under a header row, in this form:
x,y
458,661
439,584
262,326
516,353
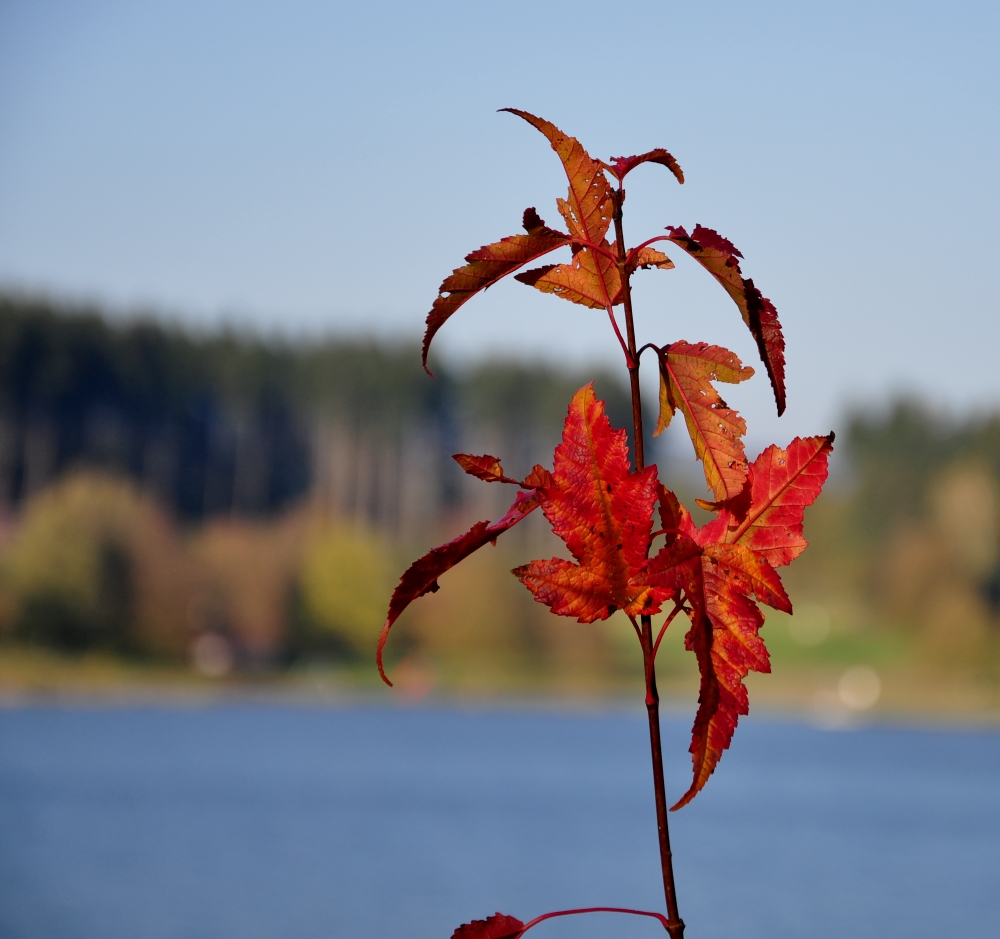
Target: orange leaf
x,y
421,576
720,259
620,166
487,265
537,478
590,205
590,280
648,257
604,514
485,467
686,375
593,278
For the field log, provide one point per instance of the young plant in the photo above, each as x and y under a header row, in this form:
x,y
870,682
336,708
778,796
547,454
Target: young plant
x,y
602,508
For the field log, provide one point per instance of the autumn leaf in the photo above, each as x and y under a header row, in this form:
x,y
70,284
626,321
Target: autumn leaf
x,y
592,278
486,265
421,576
538,478
497,926
783,484
725,637
647,257
485,467
590,205
686,375
603,512
620,166
722,569
720,258
595,284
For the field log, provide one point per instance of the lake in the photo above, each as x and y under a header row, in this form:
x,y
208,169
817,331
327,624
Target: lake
x,y
357,822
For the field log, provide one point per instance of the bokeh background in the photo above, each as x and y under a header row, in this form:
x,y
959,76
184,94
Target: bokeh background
x,y
221,227
223,223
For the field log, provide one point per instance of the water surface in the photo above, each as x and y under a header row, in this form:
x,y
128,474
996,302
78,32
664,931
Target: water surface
x,y
250,821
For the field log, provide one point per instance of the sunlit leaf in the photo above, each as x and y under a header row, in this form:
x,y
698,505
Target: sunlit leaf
x,y
720,258
603,512
646,258
686,375
592,278
720,583
783,484
485,467
486,265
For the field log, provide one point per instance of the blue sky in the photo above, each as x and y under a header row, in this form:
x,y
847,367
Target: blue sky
x,y
311,167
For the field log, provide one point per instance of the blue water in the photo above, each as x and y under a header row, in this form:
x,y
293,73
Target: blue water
x,y
271,821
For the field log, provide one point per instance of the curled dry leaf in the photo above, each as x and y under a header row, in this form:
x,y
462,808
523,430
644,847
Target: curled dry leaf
x,y
721,259
686,374
485,467
497,926
620,166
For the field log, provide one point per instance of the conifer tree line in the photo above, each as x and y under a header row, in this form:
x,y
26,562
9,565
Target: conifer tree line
x,y
227,424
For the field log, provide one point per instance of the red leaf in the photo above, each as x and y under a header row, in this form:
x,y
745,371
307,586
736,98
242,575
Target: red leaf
x,y
783,484
720,583
674,518
604,514
620,166
719,257
489,264
686,375
485,467
758,530
737,506
497,926
421,576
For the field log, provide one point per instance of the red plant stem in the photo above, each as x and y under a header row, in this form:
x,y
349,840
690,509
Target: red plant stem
x,y
629,358
674,924
656,645
592,909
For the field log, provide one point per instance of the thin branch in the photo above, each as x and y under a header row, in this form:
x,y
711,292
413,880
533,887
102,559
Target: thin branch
x,y
629,361
656,645
635,626
594,909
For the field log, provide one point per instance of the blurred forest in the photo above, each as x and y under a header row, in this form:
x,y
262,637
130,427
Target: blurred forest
x,y
230,509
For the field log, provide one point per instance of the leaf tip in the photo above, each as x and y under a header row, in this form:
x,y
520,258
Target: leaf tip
x,y
382,637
